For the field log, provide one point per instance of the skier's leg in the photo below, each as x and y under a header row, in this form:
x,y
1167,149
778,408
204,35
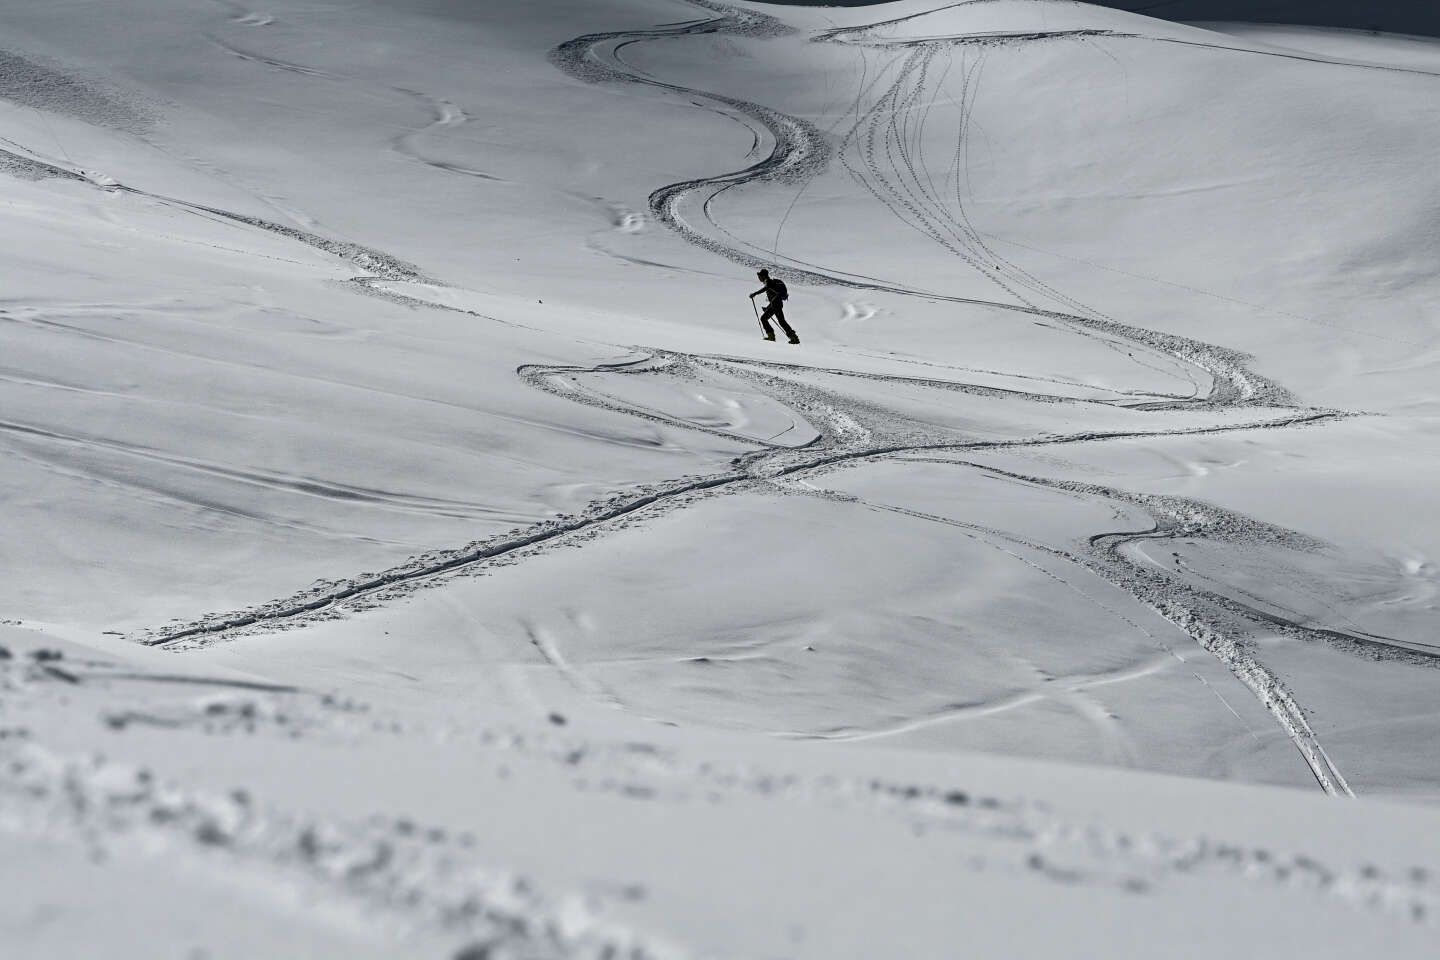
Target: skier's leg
x,y
780,319
765,322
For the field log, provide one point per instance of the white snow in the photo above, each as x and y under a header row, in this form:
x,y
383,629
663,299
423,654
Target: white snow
x,y
412,549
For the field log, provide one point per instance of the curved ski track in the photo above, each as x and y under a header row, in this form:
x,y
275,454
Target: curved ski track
x,y
892,175
849,431
800,150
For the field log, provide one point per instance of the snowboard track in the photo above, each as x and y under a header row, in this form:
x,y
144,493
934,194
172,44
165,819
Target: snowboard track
x,y
799,152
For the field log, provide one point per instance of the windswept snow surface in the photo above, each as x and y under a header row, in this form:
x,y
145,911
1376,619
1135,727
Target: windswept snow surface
x,y
413,550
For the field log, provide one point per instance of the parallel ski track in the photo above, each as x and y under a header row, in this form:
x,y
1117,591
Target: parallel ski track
x,y
1181,604
799,151
883,132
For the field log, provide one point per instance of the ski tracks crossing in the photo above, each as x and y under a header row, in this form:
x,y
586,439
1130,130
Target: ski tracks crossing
x,y
882,151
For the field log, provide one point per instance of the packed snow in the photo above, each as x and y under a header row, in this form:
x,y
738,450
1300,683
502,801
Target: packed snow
x,y
414,550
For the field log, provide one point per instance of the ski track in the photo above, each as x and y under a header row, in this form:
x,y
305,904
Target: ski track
x,y
890,173
1216,623
882,139
323,489
801,151
1066,690
445,115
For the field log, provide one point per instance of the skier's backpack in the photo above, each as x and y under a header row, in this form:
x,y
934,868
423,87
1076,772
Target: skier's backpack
x,y
780,288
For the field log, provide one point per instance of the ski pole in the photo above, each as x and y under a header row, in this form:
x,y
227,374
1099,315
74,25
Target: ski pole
x,y
757,314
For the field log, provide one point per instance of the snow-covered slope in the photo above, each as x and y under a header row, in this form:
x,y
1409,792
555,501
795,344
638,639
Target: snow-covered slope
x,y
412,545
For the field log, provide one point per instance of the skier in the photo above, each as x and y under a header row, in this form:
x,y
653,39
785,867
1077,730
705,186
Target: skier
x,y
775,292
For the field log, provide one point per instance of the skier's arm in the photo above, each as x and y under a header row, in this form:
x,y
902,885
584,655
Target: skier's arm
x,y
758,292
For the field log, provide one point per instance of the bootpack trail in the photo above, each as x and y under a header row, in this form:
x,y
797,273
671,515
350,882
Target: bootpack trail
x,y
850,431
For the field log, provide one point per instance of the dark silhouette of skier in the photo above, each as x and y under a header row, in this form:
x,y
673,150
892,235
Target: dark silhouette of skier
x,y
775,292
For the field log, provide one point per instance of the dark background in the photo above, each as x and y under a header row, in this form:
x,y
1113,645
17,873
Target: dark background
x,y
1420,17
